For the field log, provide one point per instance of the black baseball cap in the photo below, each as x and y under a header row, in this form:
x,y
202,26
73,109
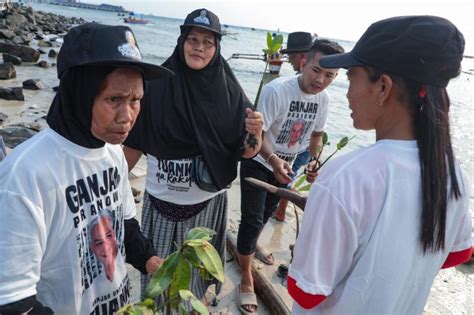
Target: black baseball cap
x,y
297,42
414,47
98,44
205,19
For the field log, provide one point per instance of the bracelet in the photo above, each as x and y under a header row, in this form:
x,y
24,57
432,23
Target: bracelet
x,y
269,157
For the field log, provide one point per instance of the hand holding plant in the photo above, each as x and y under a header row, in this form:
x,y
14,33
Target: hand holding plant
x,y
316,163
174,276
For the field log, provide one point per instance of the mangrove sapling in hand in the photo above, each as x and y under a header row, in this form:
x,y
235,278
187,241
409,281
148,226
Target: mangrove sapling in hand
x,y
173,277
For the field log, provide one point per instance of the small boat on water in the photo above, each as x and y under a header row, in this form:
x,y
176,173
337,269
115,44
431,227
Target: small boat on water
x,y
134,20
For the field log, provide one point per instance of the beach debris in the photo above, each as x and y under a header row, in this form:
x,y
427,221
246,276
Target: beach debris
x,y
3,117
13,59
26,53
43,64
33,84
12,94
15,134
44,43
52,53
7,71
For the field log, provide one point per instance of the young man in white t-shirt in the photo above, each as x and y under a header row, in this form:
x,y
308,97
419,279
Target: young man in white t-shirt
x,y
294,108
57,185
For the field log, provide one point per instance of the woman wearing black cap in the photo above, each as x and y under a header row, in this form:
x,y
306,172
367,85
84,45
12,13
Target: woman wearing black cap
x,y
200,113
380,222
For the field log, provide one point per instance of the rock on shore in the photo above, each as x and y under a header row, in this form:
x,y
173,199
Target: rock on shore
x,y
23,31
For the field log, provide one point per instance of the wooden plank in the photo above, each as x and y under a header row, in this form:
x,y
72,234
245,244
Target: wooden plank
x,y
263,287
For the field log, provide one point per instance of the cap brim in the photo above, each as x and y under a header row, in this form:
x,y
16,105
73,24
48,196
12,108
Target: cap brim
x,y
150,71
201,26
290,51
343,60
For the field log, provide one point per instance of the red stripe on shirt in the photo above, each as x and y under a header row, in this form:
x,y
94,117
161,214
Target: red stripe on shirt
x,y
456,258
305,300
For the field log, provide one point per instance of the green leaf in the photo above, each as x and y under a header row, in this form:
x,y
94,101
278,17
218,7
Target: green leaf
x,y
200,233
162,277
342,143
305,188
197,305
148,303
194,243
182,310
276,43
211,260
269,40
190,255
135,310
126,309
325,138
267,51
181,280
300,180
205,274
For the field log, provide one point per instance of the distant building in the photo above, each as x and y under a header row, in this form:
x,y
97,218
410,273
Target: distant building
x,y
101,7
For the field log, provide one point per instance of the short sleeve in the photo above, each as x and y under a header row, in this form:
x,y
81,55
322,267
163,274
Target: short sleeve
x,y
326,244
464,234
23,235
320,122
128,200
267,105
463,239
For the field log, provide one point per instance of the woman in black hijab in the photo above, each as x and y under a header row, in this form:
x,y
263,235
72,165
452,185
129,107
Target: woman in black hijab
x,y
202,114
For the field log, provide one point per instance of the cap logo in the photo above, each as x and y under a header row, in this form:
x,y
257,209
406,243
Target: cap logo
x,y
130,49
202,18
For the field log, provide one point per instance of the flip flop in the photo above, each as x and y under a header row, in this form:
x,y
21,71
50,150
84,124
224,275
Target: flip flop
x,y
247,298
263,255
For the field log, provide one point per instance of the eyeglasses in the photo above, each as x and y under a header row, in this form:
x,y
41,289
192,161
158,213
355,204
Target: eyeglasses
x,y
195,42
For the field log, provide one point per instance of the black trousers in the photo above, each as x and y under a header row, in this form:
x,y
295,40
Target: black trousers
x,y
257,205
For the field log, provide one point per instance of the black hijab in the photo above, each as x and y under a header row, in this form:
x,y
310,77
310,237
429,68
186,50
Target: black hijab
x,y
196,112
70,114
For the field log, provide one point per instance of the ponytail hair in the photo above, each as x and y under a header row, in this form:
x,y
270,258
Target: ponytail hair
x,y
435,150
430,105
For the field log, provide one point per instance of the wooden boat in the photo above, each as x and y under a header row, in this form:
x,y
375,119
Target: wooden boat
x,y
134,20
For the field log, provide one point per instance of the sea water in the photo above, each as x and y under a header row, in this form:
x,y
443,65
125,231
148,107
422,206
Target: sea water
x,y
157,41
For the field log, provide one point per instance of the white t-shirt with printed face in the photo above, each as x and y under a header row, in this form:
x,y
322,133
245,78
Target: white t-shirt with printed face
x,y
51,190
359,243
170,180
290,116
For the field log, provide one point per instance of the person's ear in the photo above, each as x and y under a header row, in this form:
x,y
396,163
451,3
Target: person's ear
x,y
303,63
385,88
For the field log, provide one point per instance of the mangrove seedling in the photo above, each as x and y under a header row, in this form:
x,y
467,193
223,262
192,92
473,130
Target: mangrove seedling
x,y
173,277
